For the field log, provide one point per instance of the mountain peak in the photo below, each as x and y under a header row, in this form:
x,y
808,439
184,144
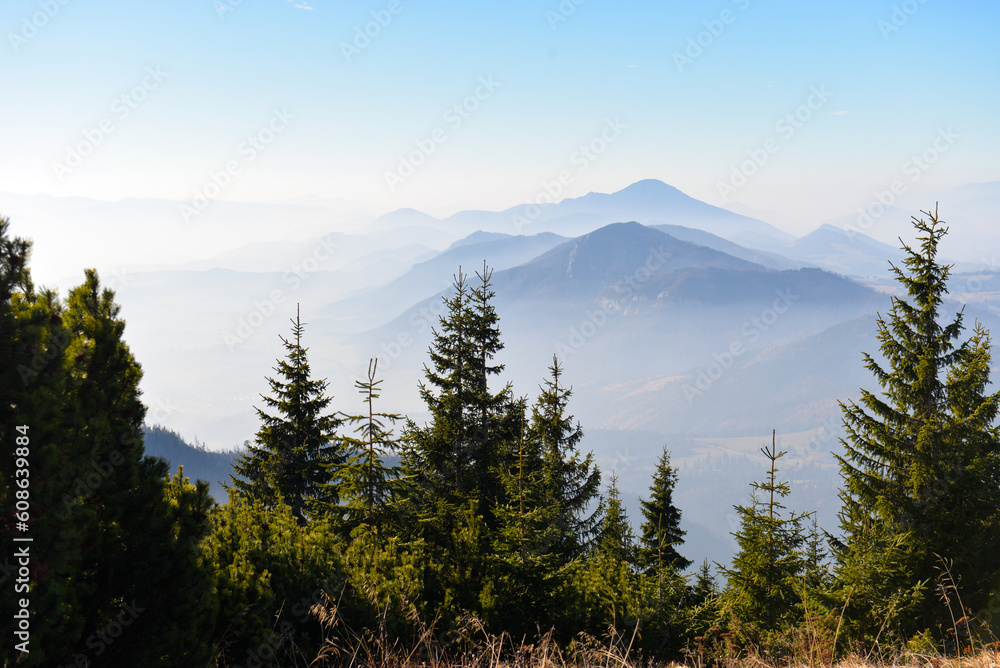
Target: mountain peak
x,y
649,187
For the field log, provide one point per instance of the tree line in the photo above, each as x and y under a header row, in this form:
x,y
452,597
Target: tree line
x,y
362,528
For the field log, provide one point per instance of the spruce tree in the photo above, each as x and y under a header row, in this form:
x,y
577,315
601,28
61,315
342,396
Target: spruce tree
x,y
453,465
364,482
497,417
661,527
617,540
921,461
761,585
526,565
296,445
438,456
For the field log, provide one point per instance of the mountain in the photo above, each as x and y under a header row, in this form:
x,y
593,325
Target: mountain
x,y
428,278
702,238
650,202
593,262
847,252
629,302
199,464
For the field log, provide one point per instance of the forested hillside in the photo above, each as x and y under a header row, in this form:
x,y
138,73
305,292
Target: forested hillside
x,y
199,463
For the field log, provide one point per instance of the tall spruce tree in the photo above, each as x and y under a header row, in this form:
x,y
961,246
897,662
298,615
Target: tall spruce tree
x,y
661,527
453,466
921,461
525,568
761,585
497,417
571,480
296,445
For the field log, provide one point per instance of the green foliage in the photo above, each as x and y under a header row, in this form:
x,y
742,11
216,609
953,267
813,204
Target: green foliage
x,y
364,484
270,571
921,462
616,541
111,551
761,587
661,527
454,466
294,447
570,480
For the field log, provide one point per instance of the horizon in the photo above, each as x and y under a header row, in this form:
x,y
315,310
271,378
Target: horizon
x,y
280,101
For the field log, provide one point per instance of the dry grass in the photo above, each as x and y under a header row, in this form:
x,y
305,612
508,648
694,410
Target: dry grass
x,y
472,646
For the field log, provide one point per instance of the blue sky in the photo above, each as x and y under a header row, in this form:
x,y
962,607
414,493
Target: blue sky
x,y
557,74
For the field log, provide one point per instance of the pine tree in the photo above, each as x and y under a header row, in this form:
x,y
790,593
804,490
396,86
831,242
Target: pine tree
x,y
365,483
617,540
295,447
496,417
453,466
110,538
761,585
525,568
921,462
438,456
661,528
39,425
571,481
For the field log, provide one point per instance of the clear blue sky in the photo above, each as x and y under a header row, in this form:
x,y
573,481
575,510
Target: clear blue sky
x,y
228,65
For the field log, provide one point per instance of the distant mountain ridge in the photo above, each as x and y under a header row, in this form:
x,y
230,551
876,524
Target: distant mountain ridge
x,y
626,299
199,464
649,202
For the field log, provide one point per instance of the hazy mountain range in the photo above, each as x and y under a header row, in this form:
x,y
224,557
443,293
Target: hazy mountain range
x,y
677,322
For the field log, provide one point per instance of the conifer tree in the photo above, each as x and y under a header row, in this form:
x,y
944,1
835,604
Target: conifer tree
x,y
364,483
617,540
295,446
525,569
110,540
39,425
453,465
661,528
438,455
571,481
921,461
761,585
496,418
